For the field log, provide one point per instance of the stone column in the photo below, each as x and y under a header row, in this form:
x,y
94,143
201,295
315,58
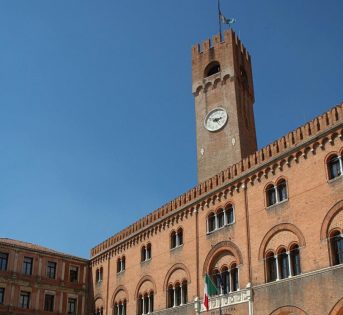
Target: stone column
x,y
289,265
277,268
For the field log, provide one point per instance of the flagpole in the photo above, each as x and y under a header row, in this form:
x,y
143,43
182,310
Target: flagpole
x,y
220,24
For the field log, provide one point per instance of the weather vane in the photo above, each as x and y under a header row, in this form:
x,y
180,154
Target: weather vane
x,y
223,20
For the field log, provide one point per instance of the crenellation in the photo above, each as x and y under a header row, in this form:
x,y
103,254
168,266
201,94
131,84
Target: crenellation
x,y
310,129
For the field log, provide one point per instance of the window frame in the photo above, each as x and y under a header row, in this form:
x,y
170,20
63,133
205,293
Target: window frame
x,y
72,271
24,299
334,166
3,261
71,306
49,302
27,266
51,269
2,295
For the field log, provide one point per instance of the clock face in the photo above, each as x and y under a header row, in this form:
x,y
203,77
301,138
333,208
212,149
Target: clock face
x,y
215,119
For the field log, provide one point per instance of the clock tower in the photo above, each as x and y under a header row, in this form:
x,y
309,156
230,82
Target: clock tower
x,y
222,86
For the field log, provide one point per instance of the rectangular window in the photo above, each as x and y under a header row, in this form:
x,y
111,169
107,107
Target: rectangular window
x,y
3,261
71,306
73,273
51,270
24,301
49,303
27,266
2,295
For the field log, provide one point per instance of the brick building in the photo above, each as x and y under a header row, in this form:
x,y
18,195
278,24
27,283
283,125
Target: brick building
x,y
38,280
265,225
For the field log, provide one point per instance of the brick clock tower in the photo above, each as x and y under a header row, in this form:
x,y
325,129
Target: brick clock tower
x,y
222,86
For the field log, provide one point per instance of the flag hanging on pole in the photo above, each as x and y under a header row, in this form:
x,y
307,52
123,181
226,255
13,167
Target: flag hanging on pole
x,y
209,290
225,20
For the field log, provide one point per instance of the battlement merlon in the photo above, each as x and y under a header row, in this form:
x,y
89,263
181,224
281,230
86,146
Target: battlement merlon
x,y
229,38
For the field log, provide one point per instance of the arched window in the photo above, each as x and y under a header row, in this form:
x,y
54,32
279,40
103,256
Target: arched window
x,y
173,239
121,264
212,68
336,242
177,294
220,218
145,303
234,277
179,238
277,193
211,220
271,267
99,275
281,190
270,195
334,166
176,238
148,251
226,280
295,260
283,264
170,297
99,311
120,308
143,253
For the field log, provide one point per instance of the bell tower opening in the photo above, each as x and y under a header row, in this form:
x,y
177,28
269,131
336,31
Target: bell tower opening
x,y
212,68
222,85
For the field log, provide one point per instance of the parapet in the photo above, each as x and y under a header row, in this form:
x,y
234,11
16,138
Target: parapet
x,y
311,130
230,38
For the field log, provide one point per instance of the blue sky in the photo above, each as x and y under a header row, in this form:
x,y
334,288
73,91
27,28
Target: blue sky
x,y
97,122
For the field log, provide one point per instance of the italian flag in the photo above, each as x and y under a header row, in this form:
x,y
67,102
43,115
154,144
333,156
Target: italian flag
x,y
209,290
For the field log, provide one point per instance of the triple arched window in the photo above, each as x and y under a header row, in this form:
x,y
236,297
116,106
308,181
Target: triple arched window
x,y
335,167
177,294
99,275
120,308
283,264
176,238
121,264
336,247
276,193
146,252
226,279
145,303
220,218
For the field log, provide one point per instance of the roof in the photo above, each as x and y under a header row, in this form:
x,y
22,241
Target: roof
x,y
36,248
